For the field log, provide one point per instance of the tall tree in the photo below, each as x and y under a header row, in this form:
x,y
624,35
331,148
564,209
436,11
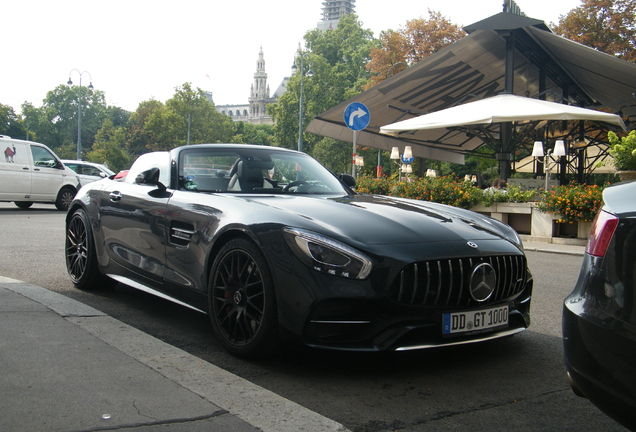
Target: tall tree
x,y
187,114
418,39
606,25
55,123
247,133
139,139
337,59
109,147
11,123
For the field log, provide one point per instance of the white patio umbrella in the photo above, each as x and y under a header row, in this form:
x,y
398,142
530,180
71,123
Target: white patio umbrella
x,y
500,109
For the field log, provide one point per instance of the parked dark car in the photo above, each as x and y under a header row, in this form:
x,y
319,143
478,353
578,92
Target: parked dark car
x,y
278,249
599,316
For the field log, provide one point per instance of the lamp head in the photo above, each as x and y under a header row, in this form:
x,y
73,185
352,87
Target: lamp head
x,y
408,153
90,86
69,81
537,151
395,153
559,148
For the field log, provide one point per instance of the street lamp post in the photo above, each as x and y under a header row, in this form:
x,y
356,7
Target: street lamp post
x,y
300,103
79,107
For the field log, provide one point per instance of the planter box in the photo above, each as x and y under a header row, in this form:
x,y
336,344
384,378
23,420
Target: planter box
x,y
533,225
517,215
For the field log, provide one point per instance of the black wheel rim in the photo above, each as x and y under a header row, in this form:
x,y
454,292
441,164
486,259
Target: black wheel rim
x,y
76,248
238,297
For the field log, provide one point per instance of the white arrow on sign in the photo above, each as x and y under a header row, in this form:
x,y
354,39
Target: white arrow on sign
x,y
357,113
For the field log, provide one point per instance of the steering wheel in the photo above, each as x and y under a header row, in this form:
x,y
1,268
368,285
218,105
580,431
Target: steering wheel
x,y
294,184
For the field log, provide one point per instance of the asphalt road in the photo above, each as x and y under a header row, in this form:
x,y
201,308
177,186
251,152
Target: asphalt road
x,y
514,384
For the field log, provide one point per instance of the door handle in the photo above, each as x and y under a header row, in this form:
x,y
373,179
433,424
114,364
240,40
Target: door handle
x,y
115,196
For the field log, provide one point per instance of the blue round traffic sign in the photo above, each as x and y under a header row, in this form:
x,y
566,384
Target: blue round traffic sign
x,y
357,116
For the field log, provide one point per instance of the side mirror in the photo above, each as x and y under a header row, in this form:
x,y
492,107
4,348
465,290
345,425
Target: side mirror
x,y
348,180
150,177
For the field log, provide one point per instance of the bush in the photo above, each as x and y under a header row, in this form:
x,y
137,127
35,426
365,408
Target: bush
x,y
572,203
445,190
623,150
512,194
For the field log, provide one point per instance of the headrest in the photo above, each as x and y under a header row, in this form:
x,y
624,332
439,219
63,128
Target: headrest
x,y
259,164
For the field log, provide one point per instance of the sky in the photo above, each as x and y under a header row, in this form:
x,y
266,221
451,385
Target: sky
x,y
137,50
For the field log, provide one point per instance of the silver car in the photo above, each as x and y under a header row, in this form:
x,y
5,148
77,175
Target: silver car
x,y
88,172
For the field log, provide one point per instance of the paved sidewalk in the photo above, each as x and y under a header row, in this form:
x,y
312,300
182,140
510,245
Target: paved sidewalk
x,y
554,248
68,367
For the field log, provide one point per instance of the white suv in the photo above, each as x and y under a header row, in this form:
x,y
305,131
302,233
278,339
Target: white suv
x,y
31,173
88,172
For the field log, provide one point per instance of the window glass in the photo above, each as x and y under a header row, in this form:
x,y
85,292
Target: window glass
x,y
249,170
42,157
74,167
90,170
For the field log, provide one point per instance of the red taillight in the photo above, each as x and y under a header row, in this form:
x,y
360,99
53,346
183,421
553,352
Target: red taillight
x,y
601,233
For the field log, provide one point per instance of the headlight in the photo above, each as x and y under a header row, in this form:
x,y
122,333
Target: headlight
x,y
327,255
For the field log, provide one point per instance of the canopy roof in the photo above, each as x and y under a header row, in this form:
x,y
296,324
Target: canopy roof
x,y
475,68
499,109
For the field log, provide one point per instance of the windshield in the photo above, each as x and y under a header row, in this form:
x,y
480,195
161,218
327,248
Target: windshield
x,y
249,170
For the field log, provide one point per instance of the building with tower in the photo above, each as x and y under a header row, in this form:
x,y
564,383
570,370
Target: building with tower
x,y
332,11
254,111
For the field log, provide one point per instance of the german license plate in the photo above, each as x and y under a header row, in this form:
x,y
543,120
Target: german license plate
x,y
475,321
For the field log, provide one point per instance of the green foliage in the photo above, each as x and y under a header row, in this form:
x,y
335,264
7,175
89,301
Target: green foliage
x,y
337,59
445,190
247,133
140,139
10,123
335,155
375,186
55,123
512,193
119,116
109,147
574,202
157,127
623,150
67,151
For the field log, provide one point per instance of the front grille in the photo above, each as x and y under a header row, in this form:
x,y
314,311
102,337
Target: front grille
x,y
445,283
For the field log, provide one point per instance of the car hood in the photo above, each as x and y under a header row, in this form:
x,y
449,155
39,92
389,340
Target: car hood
x,y
379,220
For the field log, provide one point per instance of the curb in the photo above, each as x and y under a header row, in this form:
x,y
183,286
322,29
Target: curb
x,y
255,405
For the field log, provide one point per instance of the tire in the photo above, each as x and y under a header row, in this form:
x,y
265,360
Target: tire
x,y
65,198
242,301
23,204
81,258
